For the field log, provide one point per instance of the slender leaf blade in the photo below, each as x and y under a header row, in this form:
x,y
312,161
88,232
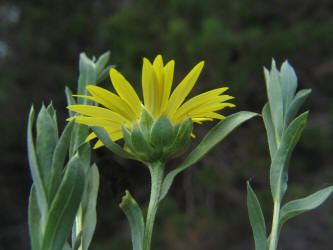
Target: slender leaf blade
x,y
299,206
114,147
296,104
102,61
34,217
278,170
275,98
214,136
257,219
135,218
288,83
64,207
58,158
35,168
266,114
87,76
89,206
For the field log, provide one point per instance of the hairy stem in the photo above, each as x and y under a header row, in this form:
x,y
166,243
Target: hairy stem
x,y
156,172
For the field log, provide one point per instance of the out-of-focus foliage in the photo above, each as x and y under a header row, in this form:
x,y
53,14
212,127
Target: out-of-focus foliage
x,y
40,42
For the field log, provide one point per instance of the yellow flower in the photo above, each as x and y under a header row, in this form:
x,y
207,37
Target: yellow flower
x,y
125,109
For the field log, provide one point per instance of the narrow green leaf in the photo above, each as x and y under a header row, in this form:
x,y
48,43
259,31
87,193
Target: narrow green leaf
x,y
34,167
79,135
102,61
275,98
296,104
135,218
70,100
288,83
77,242
266,114
214,136
67,246
87,77
278,171
34,217
257,219
104,74
58,159
89,206
64,207
296,207
47,137
114,147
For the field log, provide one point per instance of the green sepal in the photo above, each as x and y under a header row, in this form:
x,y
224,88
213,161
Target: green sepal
x,y
64,207
35,168
278,170
272,144
296,207
214,136
46,140
114,147
34,218
135,218
162,132
296,104
181,141
146,121
139,142
58,159
257,219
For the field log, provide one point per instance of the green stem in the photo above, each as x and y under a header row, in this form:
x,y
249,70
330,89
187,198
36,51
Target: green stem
x,y
156,172
275,227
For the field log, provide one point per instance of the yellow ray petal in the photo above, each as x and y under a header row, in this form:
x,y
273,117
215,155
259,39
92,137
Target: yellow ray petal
x,y
202,99
114,135
125,91
149,86
168,79
95,121
90,137
111,101
159,71
98,112
183,89
209,108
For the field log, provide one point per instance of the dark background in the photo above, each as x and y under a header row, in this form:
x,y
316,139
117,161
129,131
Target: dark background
x,y
40,42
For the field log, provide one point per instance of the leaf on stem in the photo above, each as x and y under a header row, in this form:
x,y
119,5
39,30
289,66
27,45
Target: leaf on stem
x,y
135,218
64,207
296,104
257,219
272,144
87,76
296,207
34,217
214,136
35,168
114,147
278,171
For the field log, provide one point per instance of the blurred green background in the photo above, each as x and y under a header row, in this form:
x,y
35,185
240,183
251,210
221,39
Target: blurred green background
x,y
40,42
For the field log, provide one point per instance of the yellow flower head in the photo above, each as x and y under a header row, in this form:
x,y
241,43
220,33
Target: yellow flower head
x,y
125,108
